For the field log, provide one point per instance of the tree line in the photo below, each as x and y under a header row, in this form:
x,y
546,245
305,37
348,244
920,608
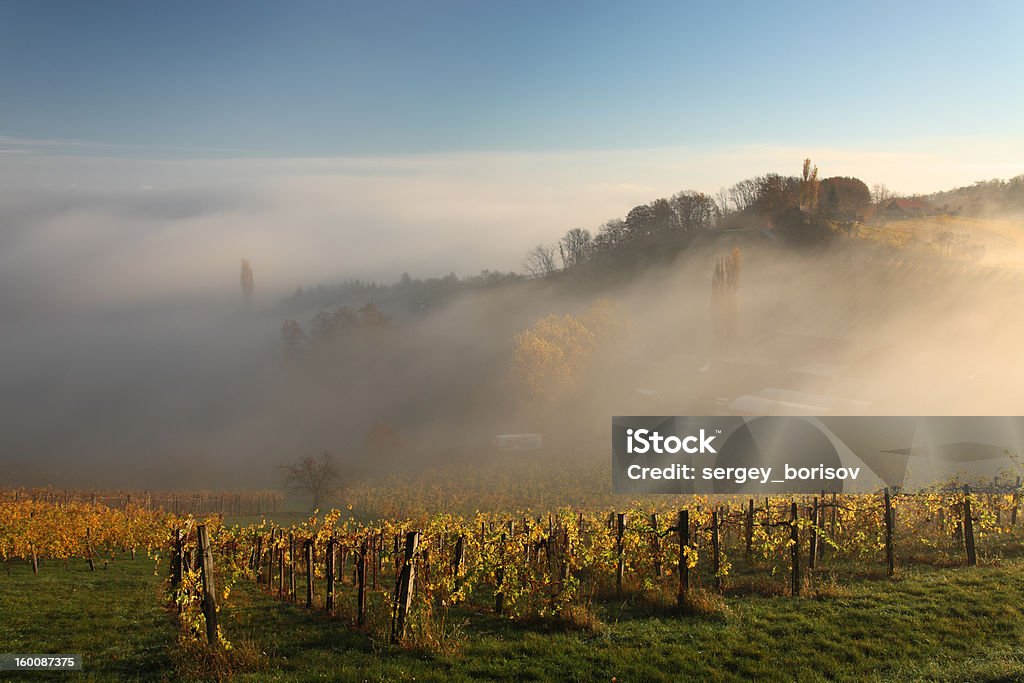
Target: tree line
x,y
802,209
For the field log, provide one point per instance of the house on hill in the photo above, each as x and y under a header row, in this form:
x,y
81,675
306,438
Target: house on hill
x,y
904,208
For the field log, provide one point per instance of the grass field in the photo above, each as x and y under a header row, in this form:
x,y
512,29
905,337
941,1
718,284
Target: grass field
x,y
1002,239
949,624
113,617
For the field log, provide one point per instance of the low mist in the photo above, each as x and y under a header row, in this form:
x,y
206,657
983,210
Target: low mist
x,y
206,395
131,358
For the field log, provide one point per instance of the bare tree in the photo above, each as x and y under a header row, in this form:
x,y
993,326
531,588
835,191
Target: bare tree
x,y
880,194
725,281
722,201
694,210
317,477
946,241
292,336
744,194
575,247
540,261
248,282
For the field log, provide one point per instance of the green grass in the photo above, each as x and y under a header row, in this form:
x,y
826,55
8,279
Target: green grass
x,y
114,617
948,624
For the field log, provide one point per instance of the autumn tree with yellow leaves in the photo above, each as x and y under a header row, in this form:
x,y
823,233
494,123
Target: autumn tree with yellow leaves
x,y
548,358
725,282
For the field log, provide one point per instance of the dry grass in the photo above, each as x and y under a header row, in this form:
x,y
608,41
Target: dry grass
x,y
194,660
1002,238
826,589
704,604
573,618
758,585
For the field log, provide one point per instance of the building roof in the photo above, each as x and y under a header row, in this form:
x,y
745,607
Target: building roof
x,y
908,204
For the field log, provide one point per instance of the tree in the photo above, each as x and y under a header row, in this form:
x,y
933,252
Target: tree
x,y
575,247
852,196
318,477
743,194
725,281
248,282
694,210
880,195
292,335
945,241
326,325
548,358
722,201
809,187
831,206
776,193
802,228
611,236
540,261
371,316
322,325
640,221
664,218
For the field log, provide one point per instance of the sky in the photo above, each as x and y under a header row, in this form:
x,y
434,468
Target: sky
x,y
325,139
336,78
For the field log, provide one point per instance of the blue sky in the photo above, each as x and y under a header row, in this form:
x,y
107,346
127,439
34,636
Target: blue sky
x,y
333,78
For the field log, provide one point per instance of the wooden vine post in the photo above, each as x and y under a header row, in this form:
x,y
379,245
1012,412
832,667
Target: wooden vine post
x,y
406,580
833,515
361,584
291,565
329,575
794,538
280,564
458,559
820,522
176,560
88,550
257,559
890,559
656,546
308,552
716,551
343,564
813,541
1013,511
750,527
499,579
683,530
209,592
620,530
972,557
378,552
271,558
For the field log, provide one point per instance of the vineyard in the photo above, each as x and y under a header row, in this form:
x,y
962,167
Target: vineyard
x,y
415,582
